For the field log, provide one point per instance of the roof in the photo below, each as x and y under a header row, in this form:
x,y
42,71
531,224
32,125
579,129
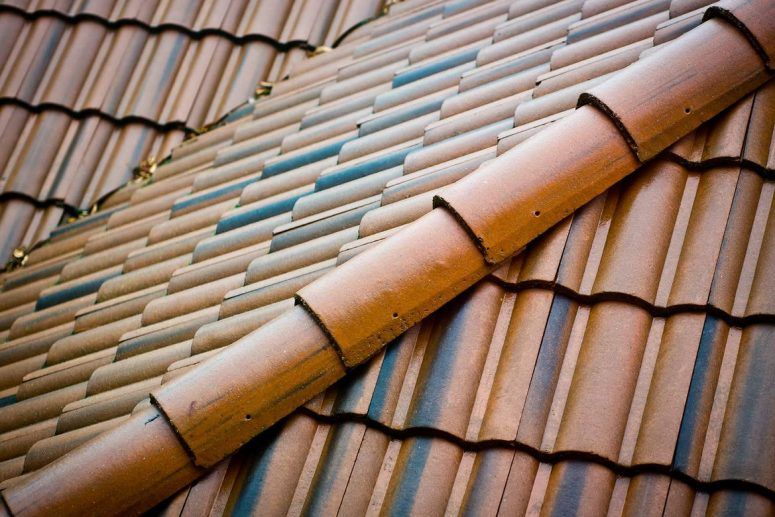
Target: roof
x,y
116,83
621,362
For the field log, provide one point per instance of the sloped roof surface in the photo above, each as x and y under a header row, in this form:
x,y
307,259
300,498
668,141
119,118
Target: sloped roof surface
x,y
621,363
90,89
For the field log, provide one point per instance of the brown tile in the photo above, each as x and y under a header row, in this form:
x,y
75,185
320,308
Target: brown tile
x,y
684,107
746,443
105,406
172,465
251,410
39,321
40,408
273,289
501,242
16,443
63,374
228,330
47,450
359,333
90,341
141,279
136,368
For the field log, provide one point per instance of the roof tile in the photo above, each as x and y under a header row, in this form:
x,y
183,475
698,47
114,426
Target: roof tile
x,y
302,182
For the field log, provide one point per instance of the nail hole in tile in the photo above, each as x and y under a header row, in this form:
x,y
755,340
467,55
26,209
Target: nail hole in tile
x,y
687,110
395,315
536,213
248,417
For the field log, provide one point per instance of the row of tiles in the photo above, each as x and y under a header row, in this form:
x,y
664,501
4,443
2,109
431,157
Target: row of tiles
x,y
252,18
349,468
95,106
163,77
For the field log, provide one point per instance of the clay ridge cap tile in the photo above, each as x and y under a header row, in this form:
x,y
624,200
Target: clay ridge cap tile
x,y
704,84
650,115
754,18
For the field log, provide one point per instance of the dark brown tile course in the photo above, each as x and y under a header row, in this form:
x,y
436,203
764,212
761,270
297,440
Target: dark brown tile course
x,y
116,308
136,368
434,177
227,330
509,139
13,373
216,268
622,15
164,250
99,260
129,232
245,235
172,228
63,374
25,293
396,214
593,67
140,279
10,469
298,256
47,318
523,18
491,113
322,224
521,42
455,147
32,344
671,29
544,106
681,7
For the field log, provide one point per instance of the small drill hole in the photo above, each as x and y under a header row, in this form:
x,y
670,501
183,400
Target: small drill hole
x,y
248,417
395,315
536,213
687,110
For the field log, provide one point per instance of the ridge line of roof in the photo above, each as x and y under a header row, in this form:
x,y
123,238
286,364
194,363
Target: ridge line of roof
x,y
58,470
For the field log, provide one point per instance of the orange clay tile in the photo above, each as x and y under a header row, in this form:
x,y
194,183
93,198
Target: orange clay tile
x,y
613,365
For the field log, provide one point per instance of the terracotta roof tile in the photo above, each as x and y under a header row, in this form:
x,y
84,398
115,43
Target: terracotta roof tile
x,y
514,395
